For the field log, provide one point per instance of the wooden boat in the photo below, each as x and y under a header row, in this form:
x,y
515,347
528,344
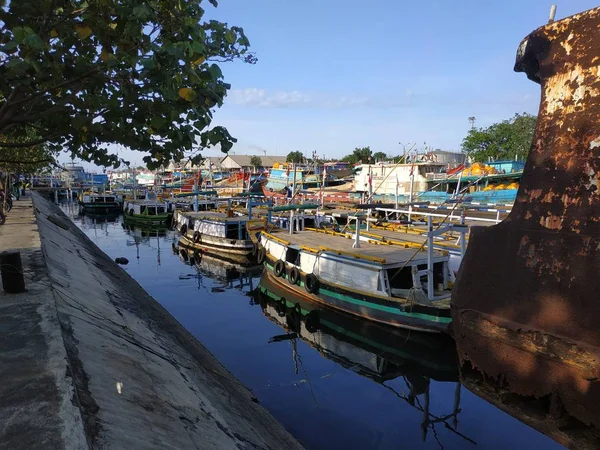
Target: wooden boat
x,y
226,236
99,202
380,282
146,212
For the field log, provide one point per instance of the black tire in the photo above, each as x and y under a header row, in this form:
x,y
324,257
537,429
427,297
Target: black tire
x,y
262,255
294,275
183,229
184,255
2,218
311,284
196,237
279,268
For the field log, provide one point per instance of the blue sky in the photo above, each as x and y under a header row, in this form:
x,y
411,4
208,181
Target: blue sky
x,y
333,75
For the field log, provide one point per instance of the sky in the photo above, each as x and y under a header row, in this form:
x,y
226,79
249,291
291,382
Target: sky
x,y
333,75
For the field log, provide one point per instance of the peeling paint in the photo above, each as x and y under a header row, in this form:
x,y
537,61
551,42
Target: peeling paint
x,y
539,269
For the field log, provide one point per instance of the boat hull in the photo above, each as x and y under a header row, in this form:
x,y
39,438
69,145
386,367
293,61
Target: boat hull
x,y
234,250
107,207
160,220
389,312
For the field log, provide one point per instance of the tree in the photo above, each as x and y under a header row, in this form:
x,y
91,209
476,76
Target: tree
x,y
138,73
359,155
380,156
295,157
256,162
504,140
25,159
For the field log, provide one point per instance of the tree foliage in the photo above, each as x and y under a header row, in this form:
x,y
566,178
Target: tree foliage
x,y
503,140
359,155
256,162
25,159
139,73
379,156
295,157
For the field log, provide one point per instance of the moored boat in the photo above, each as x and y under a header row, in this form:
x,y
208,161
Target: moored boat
x,y
398,285
226,236
146,212
99,202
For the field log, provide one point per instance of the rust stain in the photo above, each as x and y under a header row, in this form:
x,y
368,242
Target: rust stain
x,y
538,270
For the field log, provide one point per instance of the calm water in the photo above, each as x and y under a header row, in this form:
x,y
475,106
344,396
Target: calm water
x,y
343,385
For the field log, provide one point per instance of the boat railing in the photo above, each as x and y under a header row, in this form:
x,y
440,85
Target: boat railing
x,y
453,216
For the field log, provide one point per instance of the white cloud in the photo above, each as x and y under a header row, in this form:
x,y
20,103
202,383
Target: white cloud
x,y
263,98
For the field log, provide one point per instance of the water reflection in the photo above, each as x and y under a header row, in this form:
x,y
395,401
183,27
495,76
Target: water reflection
x,y
368,349
335,381
229,275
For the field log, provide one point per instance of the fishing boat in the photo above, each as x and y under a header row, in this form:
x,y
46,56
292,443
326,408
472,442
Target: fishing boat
x,y
99,202
492,183
404,286
225,235
146,212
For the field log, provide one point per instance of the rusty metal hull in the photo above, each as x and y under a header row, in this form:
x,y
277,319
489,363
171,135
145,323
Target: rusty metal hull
x,y
527,297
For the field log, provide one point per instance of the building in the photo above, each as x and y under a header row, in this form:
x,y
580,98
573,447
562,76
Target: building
x,y
451,159
238,162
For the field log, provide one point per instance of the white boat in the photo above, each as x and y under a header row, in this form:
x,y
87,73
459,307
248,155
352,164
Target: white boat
x,y
222,235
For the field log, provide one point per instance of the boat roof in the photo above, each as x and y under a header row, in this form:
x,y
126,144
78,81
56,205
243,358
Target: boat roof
x,y
383,254
214,215
146,202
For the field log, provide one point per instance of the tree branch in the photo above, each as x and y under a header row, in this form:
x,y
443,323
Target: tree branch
x,y
58,86
28,144
36,161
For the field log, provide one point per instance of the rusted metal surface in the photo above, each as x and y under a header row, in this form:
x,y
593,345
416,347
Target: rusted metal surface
x,y
528,291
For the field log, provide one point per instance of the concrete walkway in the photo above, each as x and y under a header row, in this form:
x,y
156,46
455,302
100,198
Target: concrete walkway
x,y
115,370
35,388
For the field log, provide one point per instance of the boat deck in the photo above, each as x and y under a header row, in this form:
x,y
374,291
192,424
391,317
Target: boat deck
x,y
415,236
392,254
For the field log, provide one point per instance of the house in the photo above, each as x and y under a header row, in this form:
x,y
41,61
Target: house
x,y
237,162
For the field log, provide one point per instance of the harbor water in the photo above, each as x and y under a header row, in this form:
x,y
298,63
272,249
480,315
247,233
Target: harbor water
x,y
335,384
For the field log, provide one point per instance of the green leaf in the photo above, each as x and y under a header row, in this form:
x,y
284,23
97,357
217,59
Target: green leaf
x,y
157,122
34,41
215,72
19,33
148,63
230,37
142,12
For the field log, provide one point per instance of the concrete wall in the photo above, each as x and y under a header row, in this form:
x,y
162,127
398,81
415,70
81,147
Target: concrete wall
x,y
141,380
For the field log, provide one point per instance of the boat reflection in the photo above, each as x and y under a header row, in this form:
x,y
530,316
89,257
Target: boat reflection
x,y
229,274
370,349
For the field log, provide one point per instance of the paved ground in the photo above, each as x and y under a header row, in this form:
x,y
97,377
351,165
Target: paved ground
x,y
35,390
104,365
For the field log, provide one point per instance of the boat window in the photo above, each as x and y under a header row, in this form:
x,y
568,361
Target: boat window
x,y
292,256
232,231
400,278
151,210
142,209
160,210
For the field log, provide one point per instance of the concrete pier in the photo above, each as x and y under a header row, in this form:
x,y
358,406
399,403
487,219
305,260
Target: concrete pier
x,y
89,360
